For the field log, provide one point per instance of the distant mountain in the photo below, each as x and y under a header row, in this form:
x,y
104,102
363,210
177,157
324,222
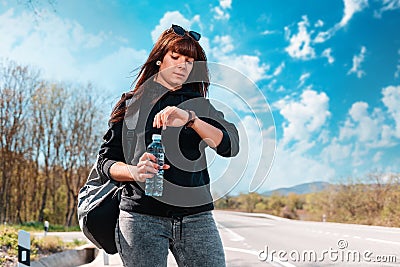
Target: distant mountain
x,y
299,189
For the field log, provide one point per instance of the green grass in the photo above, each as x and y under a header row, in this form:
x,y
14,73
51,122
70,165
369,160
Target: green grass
x,y
39,246
38,226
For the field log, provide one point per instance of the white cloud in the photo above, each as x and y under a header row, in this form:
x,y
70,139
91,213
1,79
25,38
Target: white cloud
x,y
257,155
364,133
224,44
58,47
328,54
303,78
249,65
357,61
397,72
370,129
291,167
117,67
268,32
257,144
361,124
225,3
220,12
172,17
319,23
357,148
305,117
391,99
387,5
336,152
299,46
323,36
359,156
350,8
279,69
377,157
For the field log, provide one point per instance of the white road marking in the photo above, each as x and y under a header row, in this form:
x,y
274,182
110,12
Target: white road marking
x,y
255,253
260,222
233,236
252,252
383,241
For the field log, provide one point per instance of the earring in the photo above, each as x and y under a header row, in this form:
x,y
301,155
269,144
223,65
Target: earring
x,y
158,62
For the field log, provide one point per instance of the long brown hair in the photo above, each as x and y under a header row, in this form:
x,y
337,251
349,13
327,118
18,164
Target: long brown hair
x,y
168,41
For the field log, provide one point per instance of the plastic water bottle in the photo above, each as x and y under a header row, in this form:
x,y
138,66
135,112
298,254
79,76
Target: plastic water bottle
x,y
154,186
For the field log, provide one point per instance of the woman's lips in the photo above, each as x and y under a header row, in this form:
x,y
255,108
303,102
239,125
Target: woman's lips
x,y
179,74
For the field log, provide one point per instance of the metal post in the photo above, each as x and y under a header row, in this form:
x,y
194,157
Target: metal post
x,y
106,258
46,227
24,249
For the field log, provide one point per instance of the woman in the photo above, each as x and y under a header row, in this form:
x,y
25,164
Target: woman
x,y
168,99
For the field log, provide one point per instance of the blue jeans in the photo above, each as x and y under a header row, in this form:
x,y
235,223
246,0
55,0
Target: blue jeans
x,y
144,240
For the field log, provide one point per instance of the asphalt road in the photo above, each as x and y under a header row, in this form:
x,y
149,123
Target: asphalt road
x,y
264,240
282,242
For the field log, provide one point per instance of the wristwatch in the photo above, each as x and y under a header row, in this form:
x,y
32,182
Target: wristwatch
x,y
192,118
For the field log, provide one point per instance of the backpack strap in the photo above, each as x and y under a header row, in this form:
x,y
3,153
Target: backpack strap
x,y
130,139
131,120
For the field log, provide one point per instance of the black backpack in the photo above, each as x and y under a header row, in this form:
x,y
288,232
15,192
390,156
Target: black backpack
x,y
99,198
98,207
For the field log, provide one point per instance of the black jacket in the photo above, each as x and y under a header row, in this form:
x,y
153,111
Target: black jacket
x,y
186,186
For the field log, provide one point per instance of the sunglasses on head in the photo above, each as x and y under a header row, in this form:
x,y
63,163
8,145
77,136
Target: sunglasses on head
x,y
181,32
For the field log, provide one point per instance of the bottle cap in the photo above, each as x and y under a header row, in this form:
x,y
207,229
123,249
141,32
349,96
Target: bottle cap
x,y
156,137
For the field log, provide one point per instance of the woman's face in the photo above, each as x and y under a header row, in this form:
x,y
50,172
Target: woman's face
x,y
174,70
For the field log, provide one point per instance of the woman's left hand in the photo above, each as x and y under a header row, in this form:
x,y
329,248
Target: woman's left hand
x,y
170,116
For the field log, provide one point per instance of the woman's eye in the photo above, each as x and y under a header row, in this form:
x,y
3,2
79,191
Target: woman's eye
x,y
189,62
174,58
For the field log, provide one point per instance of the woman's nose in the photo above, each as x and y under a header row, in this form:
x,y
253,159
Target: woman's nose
x,y
182,63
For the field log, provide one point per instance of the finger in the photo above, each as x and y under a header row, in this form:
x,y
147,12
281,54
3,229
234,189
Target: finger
x,y
147,163
143,157
147,156
151,157
166,167
168,112
164,120
144,176
147,169
151,162
155,120
151,169
162,117
153,165
159,120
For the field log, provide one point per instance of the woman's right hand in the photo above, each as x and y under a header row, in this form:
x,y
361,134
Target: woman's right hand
x,y
146,168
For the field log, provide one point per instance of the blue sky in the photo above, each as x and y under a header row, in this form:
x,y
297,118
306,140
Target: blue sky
x,y
330,70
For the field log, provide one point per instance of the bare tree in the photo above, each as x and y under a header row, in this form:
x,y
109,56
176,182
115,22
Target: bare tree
x,y
50,135
48,101
82,139
36,5
16,86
